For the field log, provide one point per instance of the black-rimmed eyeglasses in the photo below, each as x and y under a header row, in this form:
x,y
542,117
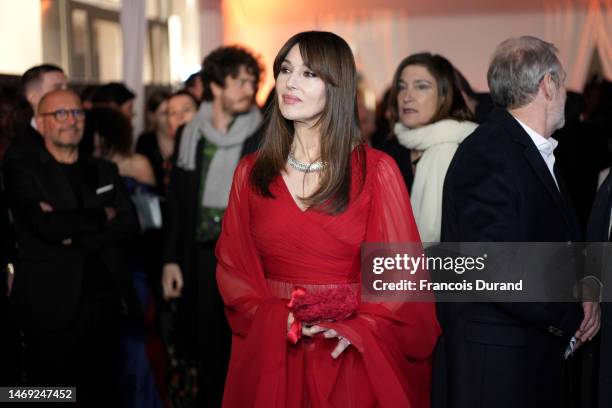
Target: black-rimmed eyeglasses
x,y
62,114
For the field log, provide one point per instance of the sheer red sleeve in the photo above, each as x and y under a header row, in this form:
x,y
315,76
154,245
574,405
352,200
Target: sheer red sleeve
x,y
257,319
239,270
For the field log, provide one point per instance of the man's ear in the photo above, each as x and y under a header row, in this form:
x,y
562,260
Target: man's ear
x,y
32,96
40,124
548,86
215,89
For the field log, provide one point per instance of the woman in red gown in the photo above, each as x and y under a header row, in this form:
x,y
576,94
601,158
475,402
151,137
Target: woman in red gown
x,y
298,212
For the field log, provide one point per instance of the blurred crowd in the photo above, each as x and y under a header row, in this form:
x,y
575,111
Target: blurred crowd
x,y
170,178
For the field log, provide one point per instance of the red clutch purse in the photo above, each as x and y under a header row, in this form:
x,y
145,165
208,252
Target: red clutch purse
x,y
330,305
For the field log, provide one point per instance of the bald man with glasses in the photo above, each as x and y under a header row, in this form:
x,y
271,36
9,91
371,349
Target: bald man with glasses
x,y
70,214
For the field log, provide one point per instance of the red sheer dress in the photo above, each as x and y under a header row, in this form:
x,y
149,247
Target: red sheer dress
x,y
269,246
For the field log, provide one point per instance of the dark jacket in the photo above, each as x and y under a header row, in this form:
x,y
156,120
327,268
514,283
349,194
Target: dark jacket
x,y
401,155
49,274
180,213
7,247
7,238
499,189
26,145
147,145
598,231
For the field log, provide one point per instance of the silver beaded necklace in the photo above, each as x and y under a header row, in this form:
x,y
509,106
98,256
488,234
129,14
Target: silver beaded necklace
x,y
305,167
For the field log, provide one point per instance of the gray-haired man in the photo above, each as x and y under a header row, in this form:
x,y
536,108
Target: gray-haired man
x,y
502,187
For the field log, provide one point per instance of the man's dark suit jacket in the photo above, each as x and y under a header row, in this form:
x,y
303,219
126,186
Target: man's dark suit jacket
x,y
181,209
499,189
49,274
27,144
598,231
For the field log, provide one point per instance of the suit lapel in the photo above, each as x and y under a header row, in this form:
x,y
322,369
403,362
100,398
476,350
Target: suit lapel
x,y
607,206
571,214
541,169
538,165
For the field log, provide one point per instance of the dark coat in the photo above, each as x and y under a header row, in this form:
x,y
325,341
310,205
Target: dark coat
x,y
180,214
48,274
597,231
7,240
147,145
27,144
200,306
401,155
499,189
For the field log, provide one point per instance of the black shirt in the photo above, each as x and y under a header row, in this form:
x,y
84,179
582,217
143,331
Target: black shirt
x,y
96,278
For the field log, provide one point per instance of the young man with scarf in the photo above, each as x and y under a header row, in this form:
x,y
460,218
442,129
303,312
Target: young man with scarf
x,y
206,154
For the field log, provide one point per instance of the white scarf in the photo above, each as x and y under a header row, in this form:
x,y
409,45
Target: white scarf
x,y
229,146
438,142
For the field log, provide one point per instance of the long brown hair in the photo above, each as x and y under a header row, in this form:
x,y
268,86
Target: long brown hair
x,y
450,101
329,57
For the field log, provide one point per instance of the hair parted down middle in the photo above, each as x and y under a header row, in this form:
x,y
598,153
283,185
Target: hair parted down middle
x,y
331,59
450,101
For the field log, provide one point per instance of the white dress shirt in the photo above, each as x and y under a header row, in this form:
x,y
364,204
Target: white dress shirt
x,y
545,146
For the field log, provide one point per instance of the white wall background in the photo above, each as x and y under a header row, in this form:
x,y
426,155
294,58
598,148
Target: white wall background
x,y
189,13
20,35
382,32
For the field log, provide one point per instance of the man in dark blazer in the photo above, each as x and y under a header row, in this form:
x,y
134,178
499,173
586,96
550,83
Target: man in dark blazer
x,y
35,83
598,231
10,341
502,187
206,154
70,214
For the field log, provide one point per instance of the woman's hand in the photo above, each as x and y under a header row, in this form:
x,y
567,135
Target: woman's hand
x,y
290,320
343,342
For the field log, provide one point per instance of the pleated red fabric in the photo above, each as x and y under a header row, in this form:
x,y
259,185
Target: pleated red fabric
x,y
268,246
